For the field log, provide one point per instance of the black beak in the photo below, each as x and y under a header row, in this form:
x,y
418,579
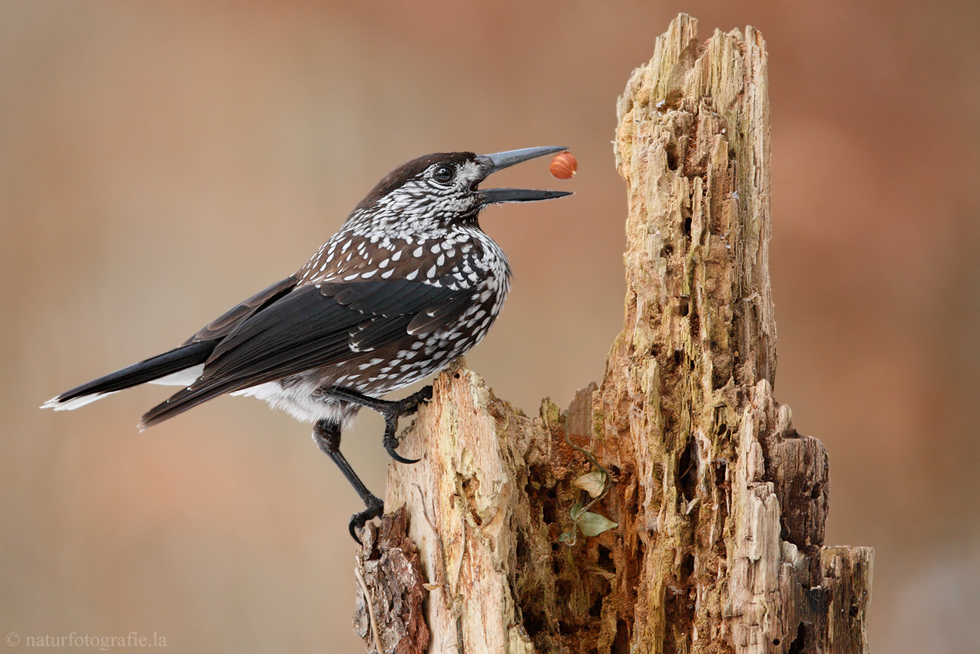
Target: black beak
x,y
491,163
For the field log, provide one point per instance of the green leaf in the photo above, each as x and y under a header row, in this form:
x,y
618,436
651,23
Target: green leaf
x,y
593,524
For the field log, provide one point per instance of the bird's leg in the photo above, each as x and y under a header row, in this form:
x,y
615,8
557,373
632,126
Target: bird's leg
x,y
327,437
390,410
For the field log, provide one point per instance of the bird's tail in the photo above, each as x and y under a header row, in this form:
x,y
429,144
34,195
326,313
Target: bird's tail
x,y
180,366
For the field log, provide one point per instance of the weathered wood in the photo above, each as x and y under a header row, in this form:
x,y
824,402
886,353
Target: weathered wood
x,y
391,589
843,622
718,503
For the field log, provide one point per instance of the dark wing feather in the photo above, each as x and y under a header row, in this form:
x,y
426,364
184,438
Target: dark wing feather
x,y
396,297
229,321
311,327
302,319
379,332
433,318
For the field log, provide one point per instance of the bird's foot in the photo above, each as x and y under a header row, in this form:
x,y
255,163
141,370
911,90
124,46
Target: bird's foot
x,y
411,403
375,507
393,411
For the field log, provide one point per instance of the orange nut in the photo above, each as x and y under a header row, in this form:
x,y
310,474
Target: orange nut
x,y
563,166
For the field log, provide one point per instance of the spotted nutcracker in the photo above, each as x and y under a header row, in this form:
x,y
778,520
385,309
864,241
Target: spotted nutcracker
x,y
409,283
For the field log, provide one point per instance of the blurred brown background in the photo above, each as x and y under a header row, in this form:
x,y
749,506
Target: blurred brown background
x,y
161,161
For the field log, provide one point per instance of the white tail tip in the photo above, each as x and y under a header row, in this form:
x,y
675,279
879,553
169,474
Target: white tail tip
x,y
70,405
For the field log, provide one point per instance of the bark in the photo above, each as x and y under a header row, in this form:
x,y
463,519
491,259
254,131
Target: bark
x,y
707,533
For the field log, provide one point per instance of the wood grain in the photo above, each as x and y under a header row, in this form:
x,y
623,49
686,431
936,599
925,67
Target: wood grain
x,y
719,503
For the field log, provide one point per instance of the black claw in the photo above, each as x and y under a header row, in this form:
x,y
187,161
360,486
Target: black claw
x,y
390,447
375,507
398,409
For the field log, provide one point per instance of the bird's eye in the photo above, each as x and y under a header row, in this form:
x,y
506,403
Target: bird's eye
x,y
444,174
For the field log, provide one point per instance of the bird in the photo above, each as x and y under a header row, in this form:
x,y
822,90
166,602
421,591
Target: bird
x,y
409,283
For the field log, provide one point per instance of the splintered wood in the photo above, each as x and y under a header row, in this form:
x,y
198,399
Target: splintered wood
x,y
707,533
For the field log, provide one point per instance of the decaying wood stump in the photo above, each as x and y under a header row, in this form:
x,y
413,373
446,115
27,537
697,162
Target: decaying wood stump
x,y
674,508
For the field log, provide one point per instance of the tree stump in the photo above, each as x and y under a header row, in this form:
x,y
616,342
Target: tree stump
x,y
674,508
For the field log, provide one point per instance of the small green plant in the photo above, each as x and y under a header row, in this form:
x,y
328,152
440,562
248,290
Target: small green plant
x,y
596,483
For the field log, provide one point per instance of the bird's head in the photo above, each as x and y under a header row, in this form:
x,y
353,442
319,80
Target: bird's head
x,y
440,190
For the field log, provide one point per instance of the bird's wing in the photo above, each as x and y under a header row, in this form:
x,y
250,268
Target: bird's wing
x,y
227,323
314,326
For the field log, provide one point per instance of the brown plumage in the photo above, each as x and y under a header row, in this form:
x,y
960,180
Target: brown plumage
x,y
409,283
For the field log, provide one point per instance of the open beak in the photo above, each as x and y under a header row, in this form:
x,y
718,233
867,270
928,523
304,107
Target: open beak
x,y
491,163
